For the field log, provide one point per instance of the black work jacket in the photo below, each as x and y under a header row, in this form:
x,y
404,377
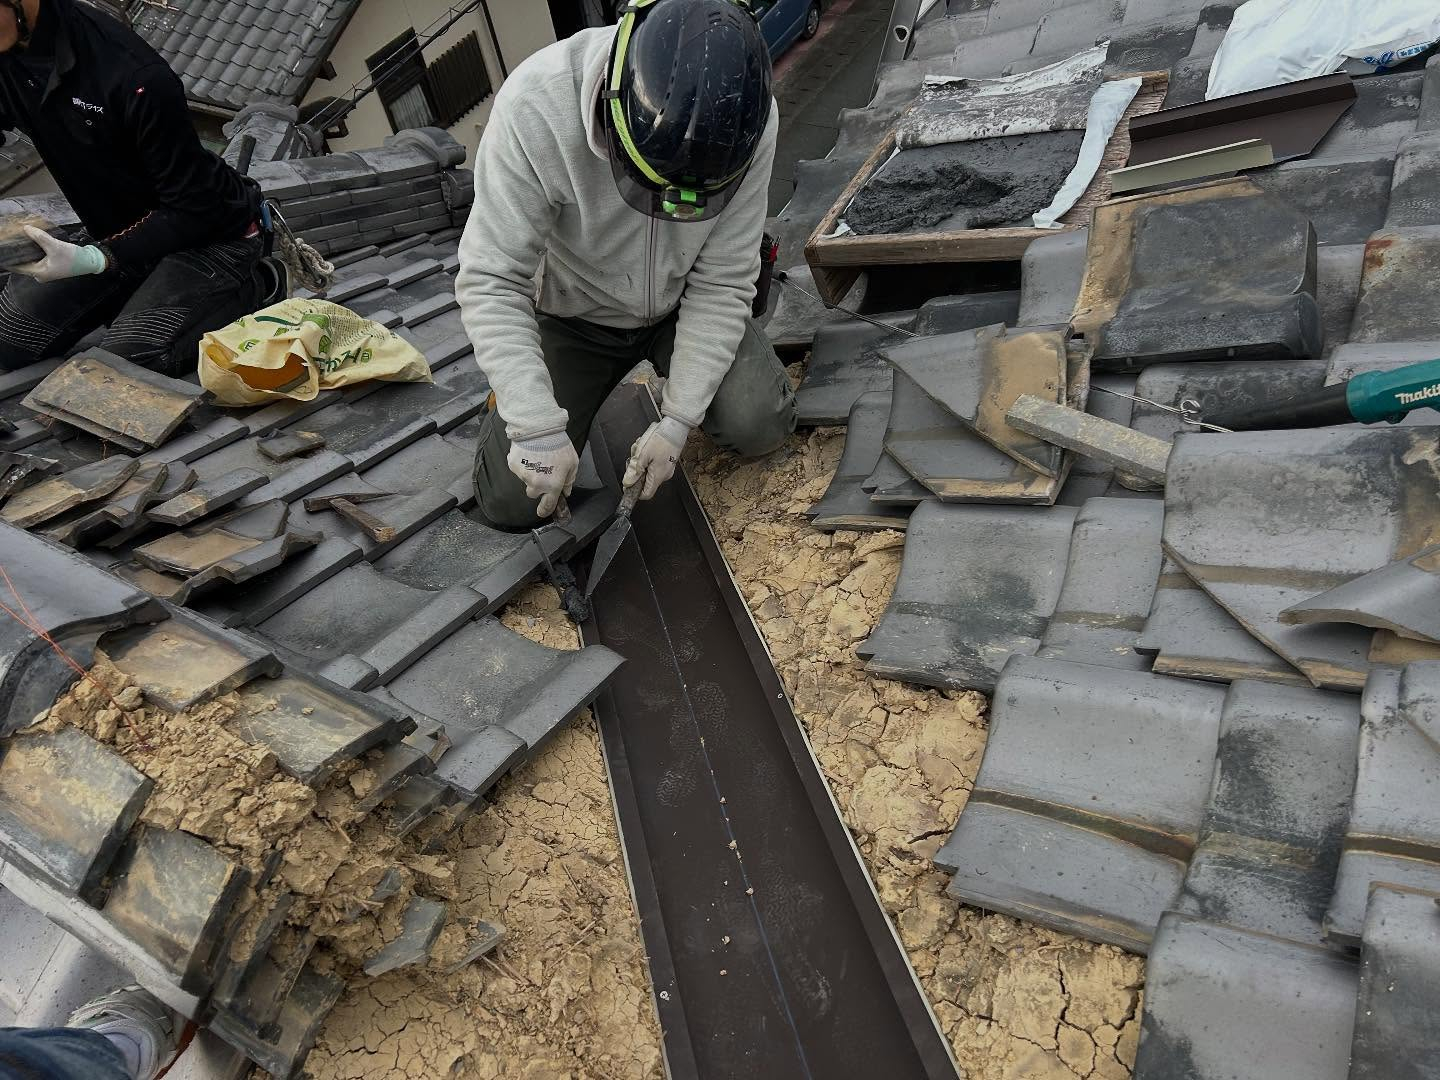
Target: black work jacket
x,y
111,123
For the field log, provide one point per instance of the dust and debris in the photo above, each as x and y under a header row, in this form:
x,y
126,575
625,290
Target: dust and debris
x,y
1017,1002
567,993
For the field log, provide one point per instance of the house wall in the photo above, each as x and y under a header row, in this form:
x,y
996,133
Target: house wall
x,y
521,27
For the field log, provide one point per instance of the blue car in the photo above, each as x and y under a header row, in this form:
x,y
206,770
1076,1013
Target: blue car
x,y
785,22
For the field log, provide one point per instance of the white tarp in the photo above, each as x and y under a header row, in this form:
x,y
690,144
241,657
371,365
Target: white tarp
x,y
1271,42
1106,108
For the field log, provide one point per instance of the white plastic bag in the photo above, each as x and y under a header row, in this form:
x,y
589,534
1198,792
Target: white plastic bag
x,y
1271,42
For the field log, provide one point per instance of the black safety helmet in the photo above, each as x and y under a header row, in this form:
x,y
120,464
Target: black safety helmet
x,y
686,102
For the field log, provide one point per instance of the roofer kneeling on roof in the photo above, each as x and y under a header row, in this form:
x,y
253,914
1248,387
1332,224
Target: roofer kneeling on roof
x,y
621,190
169,242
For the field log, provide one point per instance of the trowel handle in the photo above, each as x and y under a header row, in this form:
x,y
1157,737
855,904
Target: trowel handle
x,y
630,498
561,516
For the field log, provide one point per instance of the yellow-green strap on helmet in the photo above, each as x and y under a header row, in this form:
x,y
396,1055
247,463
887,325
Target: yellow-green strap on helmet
x,y
617,112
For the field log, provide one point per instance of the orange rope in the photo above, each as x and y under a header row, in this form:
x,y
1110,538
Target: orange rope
x,y
31,623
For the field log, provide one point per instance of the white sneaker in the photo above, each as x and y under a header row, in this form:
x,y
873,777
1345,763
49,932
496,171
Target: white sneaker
x,y
139,1025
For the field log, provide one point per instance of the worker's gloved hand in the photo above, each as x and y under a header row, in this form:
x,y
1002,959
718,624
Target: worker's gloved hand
x,y
62,260
655,455
547,465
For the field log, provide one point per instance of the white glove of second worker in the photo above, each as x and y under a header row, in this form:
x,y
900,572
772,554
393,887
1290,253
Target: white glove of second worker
x,y
547,465
655,455
62,260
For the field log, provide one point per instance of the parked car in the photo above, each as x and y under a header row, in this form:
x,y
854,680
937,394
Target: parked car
x,y
785,22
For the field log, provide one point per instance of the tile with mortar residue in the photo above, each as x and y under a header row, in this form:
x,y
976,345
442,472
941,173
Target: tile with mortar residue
x,y
1242,520
116,400
51,498
346,614
950,460
1157,265
172,893
1403,597
196,549
1223,1003
1419,698
964,604
976,375
66,805
1393,835
415,802
301,1017
1399,986
845,504
1193,637
187,660
1279,801
207,497
845,363
1089,798
1109,585
393,768
313,727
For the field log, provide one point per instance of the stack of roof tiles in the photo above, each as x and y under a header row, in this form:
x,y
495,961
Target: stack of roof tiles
x,y
219,561
1214,721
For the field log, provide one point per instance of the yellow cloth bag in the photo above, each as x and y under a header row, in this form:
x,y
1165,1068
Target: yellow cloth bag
x,y
296,348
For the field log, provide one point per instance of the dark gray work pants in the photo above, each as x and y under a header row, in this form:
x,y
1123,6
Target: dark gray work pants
x,y
752,414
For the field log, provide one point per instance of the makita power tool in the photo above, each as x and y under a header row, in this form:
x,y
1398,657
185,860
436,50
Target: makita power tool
x,y
1368,398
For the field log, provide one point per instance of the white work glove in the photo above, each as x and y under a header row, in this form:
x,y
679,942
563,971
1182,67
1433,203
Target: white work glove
x,y
62,260
655,455
547,465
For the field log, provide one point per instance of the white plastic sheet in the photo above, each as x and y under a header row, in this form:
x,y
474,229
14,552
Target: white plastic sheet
x,y
1106,108
1271,42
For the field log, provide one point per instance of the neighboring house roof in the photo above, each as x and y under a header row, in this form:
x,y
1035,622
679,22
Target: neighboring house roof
x,y
232,53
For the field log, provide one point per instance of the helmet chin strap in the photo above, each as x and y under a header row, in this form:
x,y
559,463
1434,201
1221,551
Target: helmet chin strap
x,y
22,23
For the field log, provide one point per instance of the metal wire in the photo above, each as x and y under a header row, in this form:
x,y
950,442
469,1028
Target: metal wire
x,y
846,311
1188,410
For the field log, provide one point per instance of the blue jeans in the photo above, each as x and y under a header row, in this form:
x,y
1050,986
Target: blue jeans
x,y
59,1054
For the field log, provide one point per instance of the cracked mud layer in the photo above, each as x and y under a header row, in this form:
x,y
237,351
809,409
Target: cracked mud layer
x,y
1017,1002
567,994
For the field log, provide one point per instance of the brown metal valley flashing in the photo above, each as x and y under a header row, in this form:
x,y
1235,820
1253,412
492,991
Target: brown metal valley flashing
x,y
1292,119
770,953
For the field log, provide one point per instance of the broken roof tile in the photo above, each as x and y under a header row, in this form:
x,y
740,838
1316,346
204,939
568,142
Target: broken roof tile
x,y
845,363
1403,596
964,604
950,460
311,727
187,660
51,498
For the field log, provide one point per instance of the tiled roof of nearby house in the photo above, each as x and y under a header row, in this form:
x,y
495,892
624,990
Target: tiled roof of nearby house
x,y
232,53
